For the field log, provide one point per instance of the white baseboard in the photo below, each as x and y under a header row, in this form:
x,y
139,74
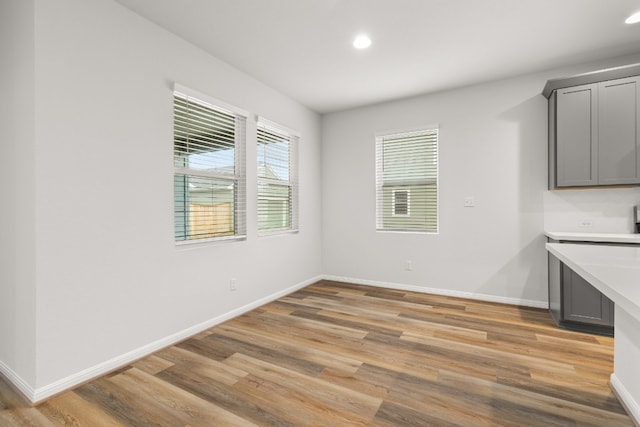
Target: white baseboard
x,y
16,380
436,291
41,393
47,391
630,405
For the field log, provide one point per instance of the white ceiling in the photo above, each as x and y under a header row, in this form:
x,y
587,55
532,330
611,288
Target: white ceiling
x,y
303,48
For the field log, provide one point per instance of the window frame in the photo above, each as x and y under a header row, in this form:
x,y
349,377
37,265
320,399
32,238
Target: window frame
x,y
238,177
429,132
292,183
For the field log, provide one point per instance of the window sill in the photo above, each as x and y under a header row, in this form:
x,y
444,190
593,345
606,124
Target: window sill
x,y
408,231
184,244
277,233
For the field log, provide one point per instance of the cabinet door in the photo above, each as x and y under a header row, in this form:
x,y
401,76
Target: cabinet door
x,y
618,153
582,302
577,136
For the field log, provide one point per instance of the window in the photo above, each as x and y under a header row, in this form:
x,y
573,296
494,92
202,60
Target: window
x,y
407,181
400,202
209,178
277,178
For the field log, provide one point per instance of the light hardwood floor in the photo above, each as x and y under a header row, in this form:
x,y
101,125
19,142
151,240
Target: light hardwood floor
x,y
335,354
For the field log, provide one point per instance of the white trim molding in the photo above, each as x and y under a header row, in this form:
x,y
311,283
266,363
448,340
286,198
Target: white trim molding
x,y
628,403
16,380
437,291
42,393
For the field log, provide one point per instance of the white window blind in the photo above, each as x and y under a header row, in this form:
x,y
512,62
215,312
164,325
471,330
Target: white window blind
x,y
209,175
407,181
277,178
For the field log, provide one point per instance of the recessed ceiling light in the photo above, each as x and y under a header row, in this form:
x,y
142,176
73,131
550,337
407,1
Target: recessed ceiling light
x,y
633,19
362,42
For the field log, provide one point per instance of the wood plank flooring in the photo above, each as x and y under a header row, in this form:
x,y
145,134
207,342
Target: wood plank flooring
x,y
335,354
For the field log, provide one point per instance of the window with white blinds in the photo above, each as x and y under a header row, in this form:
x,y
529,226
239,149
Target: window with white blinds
x,y
277,178
407,181
209,170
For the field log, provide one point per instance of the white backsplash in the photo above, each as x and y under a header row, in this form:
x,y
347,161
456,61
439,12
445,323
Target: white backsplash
x,y
603,210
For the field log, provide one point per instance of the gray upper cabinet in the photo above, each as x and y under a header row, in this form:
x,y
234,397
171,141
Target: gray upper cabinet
x,y
577,136
594,132
618,138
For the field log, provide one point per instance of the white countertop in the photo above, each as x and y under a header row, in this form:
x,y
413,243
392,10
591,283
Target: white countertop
x,y
613,270
594,237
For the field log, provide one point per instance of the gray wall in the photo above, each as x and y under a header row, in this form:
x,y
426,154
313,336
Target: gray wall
x,y
110,279
492,146
17,174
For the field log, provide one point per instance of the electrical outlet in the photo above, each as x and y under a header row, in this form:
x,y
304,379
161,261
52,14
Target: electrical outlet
x,y
233,285
585,223
408,265
469,202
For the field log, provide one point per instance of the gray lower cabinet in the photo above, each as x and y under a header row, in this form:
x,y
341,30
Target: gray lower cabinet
x,y
583,303
575,304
